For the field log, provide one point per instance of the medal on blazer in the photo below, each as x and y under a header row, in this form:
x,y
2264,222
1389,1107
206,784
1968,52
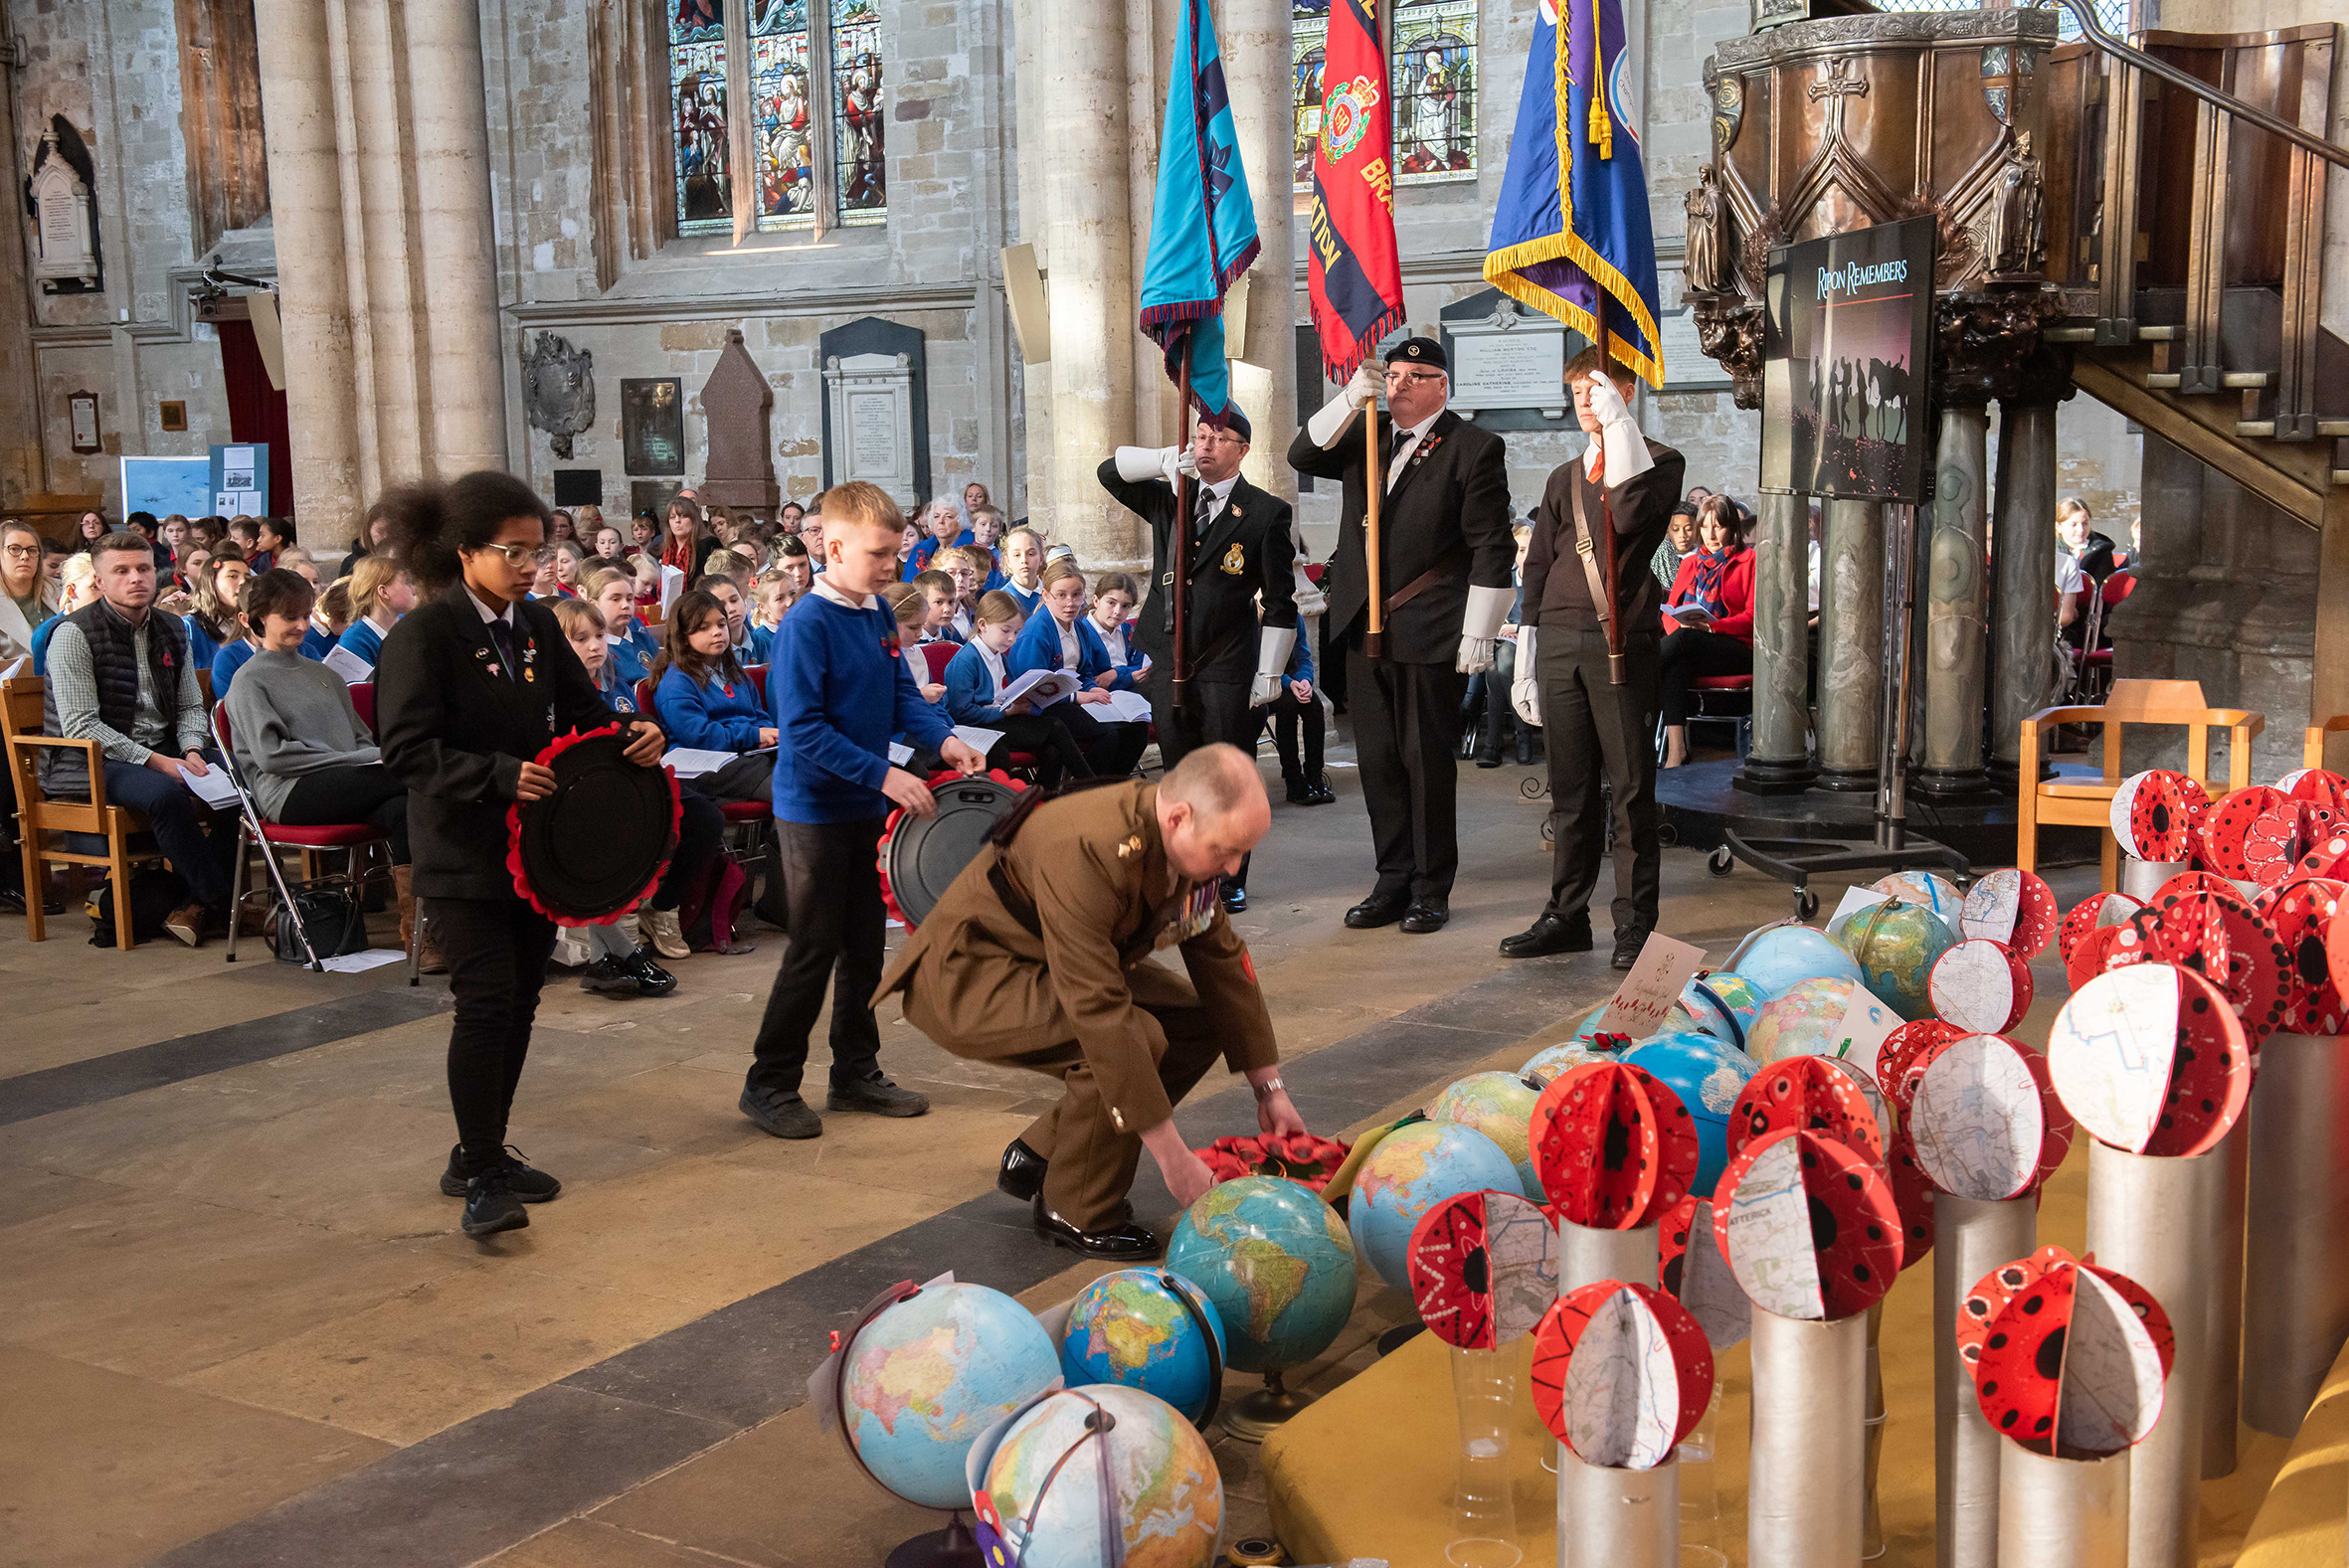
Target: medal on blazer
x,y
1235,561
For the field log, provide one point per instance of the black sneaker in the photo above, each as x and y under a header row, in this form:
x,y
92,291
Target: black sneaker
x,y
652,979
606,977
876,1095
1298,790
492,1204
779,1114
531,1186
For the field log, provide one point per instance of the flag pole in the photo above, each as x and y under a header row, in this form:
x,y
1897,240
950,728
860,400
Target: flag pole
x,y
1617,676
1373,490
1178,553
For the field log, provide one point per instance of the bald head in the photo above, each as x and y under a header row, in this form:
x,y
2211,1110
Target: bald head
x,y
1211,811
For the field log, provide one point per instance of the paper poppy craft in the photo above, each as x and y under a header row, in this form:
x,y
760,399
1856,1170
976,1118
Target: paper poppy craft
x,y
2256,834
1809,1226
1912,1199
2157,814
1621,1374
2219,937
1483,1269
1689,1262
2328,854
2092,914
1897,1063
2305,914
1806,1092
2149,1058
1981,1123
1301,1158
2068,1358
1613,1146
1980,985
2327,790
2012,905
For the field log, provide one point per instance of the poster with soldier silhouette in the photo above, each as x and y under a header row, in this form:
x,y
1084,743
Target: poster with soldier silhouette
x,y
1847,367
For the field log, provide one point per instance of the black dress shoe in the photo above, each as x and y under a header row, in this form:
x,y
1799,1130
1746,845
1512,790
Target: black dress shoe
x,y
1126,1242
531,1186
609,977
492,1205
1319,792
1426,915
1376,911
1023,1173
1628,941
1547,935
874,1093
1235,899
1297,789
651,979
1491,759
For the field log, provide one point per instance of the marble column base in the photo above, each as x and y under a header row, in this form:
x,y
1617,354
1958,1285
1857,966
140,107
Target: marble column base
x,y
1950,783
1852,781
1765,775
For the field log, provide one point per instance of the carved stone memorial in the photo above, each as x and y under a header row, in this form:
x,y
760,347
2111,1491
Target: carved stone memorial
x,y
558,388
877,419
736,405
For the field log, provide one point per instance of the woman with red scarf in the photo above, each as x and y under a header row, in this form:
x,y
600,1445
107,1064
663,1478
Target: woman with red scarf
x,y
685,540
1708,617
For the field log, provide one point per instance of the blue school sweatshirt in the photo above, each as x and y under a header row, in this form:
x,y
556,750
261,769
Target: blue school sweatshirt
x,y
361,637
723,715
633,655
841,690
315,644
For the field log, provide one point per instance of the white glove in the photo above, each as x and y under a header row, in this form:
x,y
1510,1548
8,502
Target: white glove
x,y
1272,658
1620,435
1525,692
1311,601
1363,390
1355,397
1137,463
1176,464
1480,629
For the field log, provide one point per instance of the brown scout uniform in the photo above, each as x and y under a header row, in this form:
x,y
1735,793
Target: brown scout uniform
x,y
1048,966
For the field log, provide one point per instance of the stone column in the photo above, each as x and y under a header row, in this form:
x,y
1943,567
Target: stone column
x,y
1256,40
1956,606
314,289
1080,54
462,420
1780,763
1034,430
2023,661
1851,645
380,226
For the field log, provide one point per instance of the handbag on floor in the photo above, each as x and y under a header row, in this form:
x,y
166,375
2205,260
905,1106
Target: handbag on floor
x,y
331,918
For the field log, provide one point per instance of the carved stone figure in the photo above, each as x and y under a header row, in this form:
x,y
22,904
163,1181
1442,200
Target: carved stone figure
x,y
1707,259
2018,225
558,388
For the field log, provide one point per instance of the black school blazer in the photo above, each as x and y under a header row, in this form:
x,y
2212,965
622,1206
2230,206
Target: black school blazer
x,y
457,735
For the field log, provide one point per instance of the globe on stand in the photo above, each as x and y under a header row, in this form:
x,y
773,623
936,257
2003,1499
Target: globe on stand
x,y
1151,1494
1500,1105
1152,1329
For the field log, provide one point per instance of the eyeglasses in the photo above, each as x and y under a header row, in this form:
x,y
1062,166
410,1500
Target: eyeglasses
x,y
515,555
1410,378
24,552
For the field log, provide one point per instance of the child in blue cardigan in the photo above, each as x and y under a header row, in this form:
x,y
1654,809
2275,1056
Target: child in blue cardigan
x,y
975,681
840,690
1054,633
705,701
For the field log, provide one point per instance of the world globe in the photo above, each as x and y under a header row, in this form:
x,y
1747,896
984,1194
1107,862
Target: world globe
x,y
1278,1263
1707,1074
930,1374
1413,1169
1808,1019
1500,1105
1161,1489
1896,945
1551,1060
1938,894
1782,957
1131,1328
1723,1005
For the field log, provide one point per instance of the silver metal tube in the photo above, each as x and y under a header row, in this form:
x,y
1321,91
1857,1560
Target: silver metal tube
x,y
2062,1513
1971,1237
2224,1284
1623,1519
2141,879
2156,1219
1805,1481
2295,1314
1587,1255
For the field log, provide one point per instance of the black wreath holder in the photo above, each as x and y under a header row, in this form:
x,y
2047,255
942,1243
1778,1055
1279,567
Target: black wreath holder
x,y
584,854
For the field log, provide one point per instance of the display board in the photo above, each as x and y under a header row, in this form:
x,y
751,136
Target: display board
x,y
163,485
1847,367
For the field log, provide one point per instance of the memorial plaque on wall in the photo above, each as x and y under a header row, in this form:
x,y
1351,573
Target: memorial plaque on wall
x,y
1846,360
876,406
1507,363
653,424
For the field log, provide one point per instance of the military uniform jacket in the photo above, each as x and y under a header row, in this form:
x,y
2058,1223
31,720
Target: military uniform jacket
x,y
1095,898
1447,512
1249,549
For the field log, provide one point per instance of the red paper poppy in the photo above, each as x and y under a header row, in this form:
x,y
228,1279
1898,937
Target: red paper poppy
x,y
1912,1199
1565,1327
1899,1054
2096,955
2089,913
1980,985
2253,834
1805,1092
1613,1146
2302,912
2023,1362
1470,1292
1854,1228
2157,814
2327,790
2036,914
2218,936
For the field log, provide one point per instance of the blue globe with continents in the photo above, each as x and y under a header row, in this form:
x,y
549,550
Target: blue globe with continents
x,y
932,1373
1134,1328
1723,1005
1779,958
1277,1263
1500,1105
1896,945
1142,1489
1553,1060
1807,1019
1413,1169
1707,1074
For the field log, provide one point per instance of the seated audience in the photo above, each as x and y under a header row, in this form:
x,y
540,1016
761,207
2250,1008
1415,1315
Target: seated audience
x,y
736,605
1059,637
381,593
939,601
1714,634
373,531
272,538
975,680
773,596
560,525
611,544
791,516
1679,543
1114,597
793,560
330,618
88,529
943,526
685,541
25,600
704,699
212,612
1023,565
633,649
77,587
973,497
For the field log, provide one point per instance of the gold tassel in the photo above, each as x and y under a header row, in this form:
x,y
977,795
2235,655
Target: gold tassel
x,y
1602,128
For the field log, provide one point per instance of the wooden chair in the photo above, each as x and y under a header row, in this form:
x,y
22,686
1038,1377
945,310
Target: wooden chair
x,y
2087,802
2312,753
42,824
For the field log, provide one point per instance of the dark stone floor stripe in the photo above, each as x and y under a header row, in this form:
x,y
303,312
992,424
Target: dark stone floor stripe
x,y
462,1494
102,1078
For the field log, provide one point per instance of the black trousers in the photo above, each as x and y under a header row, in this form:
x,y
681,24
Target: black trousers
x,y
748,777
203,861
1217,710
834,912
1041,736
355,792
1406,727
1288,716
1693,652
497,951
1591,728
1110,747
701,830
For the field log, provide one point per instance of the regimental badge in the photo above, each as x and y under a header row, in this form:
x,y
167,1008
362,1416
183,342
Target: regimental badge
x,y
1235,561
1132,846
1345,115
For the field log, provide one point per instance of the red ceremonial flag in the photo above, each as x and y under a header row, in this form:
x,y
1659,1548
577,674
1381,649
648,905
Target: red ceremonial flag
x,y
1356,277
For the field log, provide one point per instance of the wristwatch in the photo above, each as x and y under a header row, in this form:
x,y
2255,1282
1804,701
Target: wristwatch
x,y
1270,1087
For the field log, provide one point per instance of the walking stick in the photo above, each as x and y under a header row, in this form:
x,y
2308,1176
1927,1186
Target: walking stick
x,y
1617,676
1178,553
1374,482
260,841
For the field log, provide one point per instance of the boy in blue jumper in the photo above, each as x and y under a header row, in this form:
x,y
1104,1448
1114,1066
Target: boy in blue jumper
x,y
840,689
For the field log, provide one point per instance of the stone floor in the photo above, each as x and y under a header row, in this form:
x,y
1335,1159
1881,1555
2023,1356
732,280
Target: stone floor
x,y
239,1326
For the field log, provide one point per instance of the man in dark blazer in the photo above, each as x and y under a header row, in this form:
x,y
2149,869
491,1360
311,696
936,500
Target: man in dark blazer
x,y
1242,546
1563,681
1446,564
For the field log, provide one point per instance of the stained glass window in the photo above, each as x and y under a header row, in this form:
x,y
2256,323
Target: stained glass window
x,y
859,153
1433,61
697,100
782,121
1310,20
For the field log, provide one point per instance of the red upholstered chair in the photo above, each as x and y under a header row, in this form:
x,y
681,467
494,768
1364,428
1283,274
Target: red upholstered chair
x,y
758,675
936,656
351,836
1719,699
363,700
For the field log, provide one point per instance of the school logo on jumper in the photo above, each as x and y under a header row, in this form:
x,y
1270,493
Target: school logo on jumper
x,y
1235,561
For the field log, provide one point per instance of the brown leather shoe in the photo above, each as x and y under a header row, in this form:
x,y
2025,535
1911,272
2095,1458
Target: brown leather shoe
x,y
187,923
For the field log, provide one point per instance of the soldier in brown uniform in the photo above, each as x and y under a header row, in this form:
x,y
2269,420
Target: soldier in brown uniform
x,y
1040,955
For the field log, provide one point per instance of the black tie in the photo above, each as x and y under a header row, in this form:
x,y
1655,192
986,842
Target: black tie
x,y
503,635
1207,507
1394,447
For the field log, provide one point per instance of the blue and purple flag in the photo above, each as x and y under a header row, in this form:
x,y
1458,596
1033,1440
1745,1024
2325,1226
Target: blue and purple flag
x,y
1572,225
1202,224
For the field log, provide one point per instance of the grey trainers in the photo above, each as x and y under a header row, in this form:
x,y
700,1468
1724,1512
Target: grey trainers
x,y
876,1095
782,1115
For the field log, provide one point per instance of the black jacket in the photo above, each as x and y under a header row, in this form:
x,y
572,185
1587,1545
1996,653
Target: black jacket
x,y
1557,589
457,735
1250,549
1449,511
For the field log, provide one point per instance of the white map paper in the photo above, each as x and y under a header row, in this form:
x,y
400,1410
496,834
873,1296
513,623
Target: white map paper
x,y
1973,986
1977,1120
1769,1236
1709,1291
1865,1081
2124,798
1992,906
2111,1050
1866,1024
1520,1249
1621,1401
2111,1389
1855,899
